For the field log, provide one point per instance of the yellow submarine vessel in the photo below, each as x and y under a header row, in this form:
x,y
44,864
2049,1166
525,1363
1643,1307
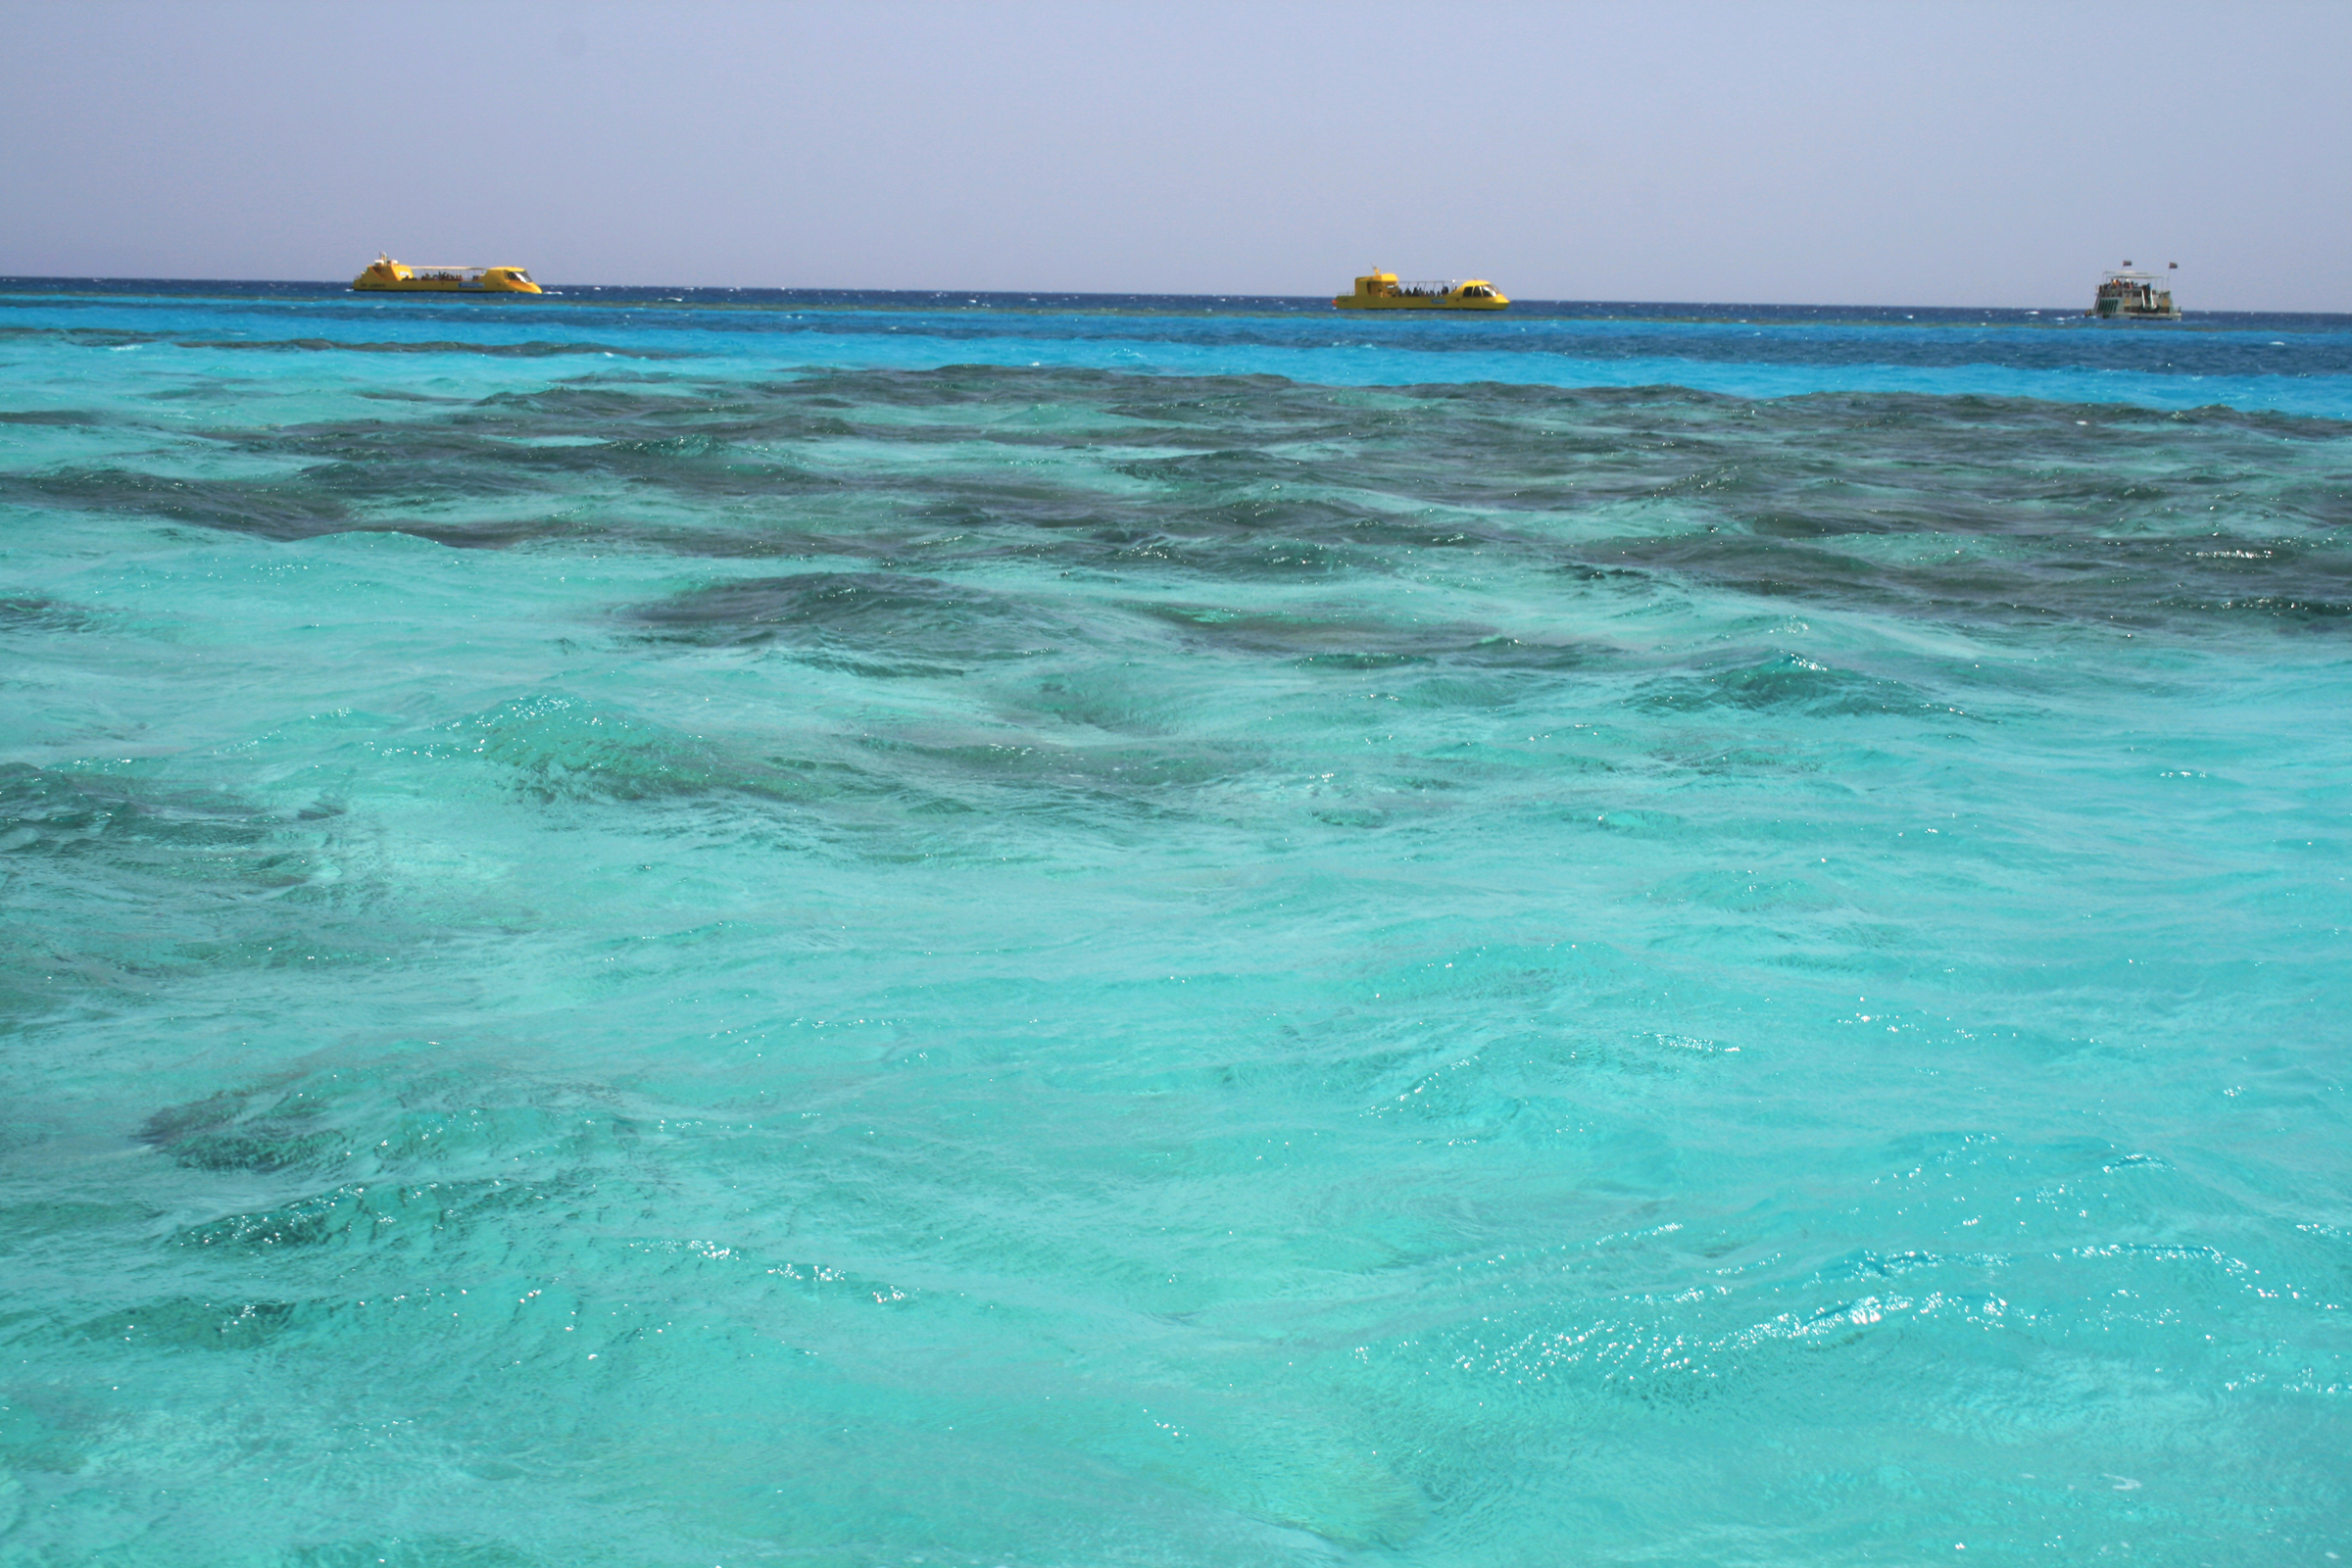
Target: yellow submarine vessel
x,y
1380,291
386,273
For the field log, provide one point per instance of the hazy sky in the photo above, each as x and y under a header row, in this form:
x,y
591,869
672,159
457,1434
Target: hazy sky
x,y
1880,153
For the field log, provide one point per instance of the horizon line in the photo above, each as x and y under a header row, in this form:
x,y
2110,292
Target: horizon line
x,y
555,293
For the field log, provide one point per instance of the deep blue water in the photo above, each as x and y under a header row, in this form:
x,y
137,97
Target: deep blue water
x,y
701,926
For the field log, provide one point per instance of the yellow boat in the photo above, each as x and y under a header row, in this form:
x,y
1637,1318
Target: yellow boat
x,y
1380,291
386,273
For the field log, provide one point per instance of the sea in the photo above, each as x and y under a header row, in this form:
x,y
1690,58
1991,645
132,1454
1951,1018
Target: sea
x,y
709,927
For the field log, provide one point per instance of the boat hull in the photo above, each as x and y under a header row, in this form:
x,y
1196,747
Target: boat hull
x,y
384,275
1352,302
429,286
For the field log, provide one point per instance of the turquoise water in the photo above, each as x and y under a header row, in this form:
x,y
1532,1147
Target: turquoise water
x,y
677,928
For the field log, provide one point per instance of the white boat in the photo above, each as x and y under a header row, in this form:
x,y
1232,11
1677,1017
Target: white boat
x,y
2134,296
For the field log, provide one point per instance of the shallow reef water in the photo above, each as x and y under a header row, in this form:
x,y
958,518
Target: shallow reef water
x,y
686,927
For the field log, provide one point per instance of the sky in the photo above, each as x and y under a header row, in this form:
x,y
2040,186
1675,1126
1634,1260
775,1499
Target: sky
x,y
1676,150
